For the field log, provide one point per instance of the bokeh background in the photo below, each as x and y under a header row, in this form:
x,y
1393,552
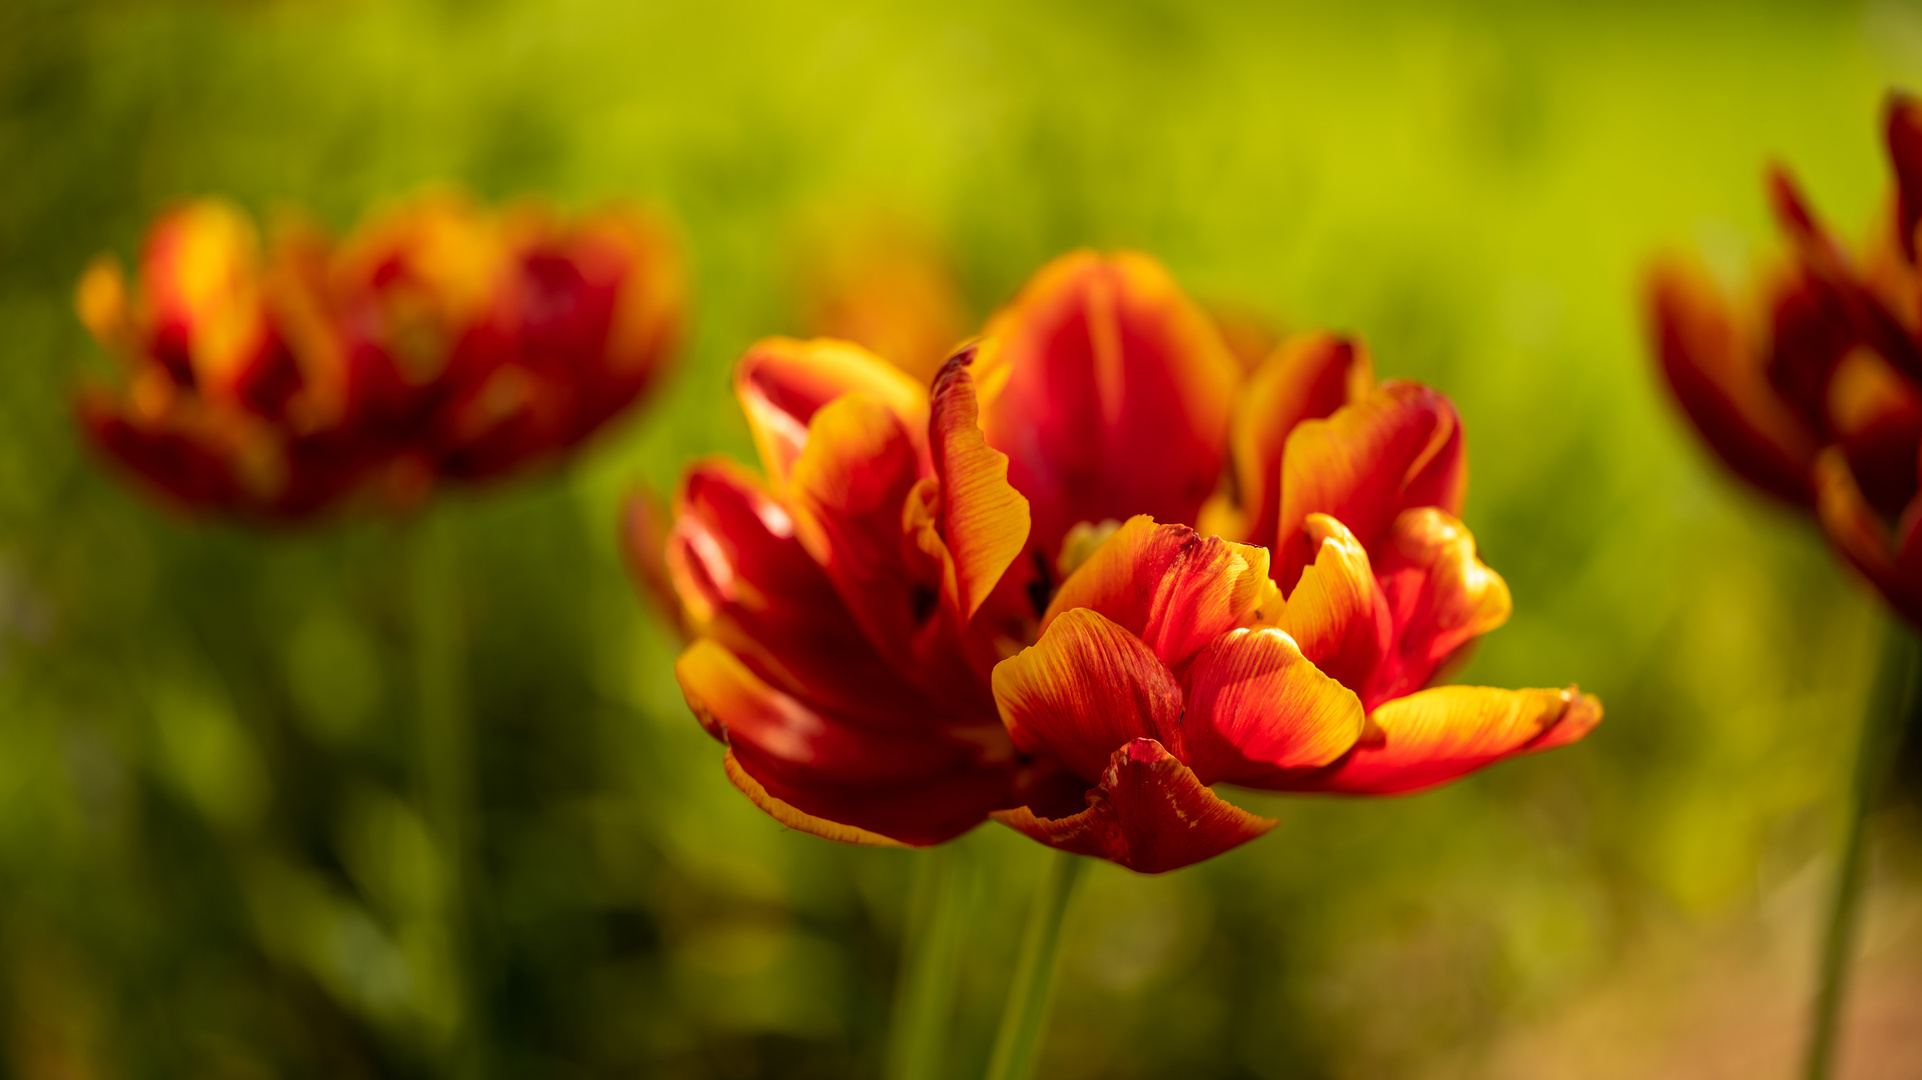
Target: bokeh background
x,y
212,862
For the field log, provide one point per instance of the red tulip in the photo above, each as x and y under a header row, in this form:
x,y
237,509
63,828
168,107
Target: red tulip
x,y
1811,390
437,342
928,615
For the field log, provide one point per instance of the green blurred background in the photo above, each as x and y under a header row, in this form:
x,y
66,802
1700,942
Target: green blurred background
x,y
211,860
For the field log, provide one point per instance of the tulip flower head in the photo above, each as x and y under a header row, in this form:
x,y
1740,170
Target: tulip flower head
x,y
985,599
437,342
1812,389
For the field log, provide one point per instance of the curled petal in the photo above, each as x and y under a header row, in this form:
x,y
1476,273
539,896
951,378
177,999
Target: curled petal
x,y
1150,814
1437,735
1085,688
1259,711
810,768
1093,353
1337,613
783,382
1439,595
1718,381
1401,447
1168,585
984,520
1307,378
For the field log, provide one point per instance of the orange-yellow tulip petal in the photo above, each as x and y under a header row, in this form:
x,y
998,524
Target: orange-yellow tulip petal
x,y
1086,687
1149,814
1399,448
1307,378
984,520
1337,613
1168,585
1437,735
1110,392
1439,595
782,383
1258,711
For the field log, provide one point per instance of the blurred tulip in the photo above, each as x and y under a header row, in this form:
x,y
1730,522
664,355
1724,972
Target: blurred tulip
x,y
1812,391
874,279
437,342
927,614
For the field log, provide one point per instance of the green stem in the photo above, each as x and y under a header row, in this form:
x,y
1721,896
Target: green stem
x,y
1890,703
1026,1012
924,992
445,766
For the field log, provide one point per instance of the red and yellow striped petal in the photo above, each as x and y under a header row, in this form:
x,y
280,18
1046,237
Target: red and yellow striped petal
x,y
1437,735
1439,596
1085,688
813,771
1400,448
984,520
1337,613
1168,585
1110,392
1307,378
1260,712
782,383
1149,814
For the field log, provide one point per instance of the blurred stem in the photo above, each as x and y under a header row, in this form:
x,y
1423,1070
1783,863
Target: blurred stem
x,y
445,767
1026,1012
924,991
1891,701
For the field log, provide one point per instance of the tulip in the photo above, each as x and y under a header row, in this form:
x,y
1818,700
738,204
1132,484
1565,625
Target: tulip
x,y
984,599
435,343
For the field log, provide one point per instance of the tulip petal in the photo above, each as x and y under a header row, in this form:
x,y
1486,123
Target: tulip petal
x,y
1149,814
1717,380
745,580
1399,448
782,383
1853,527
1168,585
1258,710
1902,127
1307,378
1437,735
1439,595
815,772
1085,688
984,520
1337,613
1095,355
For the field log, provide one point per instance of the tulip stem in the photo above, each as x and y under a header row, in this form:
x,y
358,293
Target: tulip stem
x,y
924,989
1023,1018
445,766
1891,701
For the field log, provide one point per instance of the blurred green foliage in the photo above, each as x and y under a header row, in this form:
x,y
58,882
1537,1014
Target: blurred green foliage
x,y
212,858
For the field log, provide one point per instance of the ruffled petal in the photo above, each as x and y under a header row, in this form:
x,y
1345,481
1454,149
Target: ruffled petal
x,y
1093,353
810,768
984,520
1085,688
1307,378
782,383
744,579
1260,712
1718,381
1168,585
1437,735
1337,613
1149,814
1400,448
1439,596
